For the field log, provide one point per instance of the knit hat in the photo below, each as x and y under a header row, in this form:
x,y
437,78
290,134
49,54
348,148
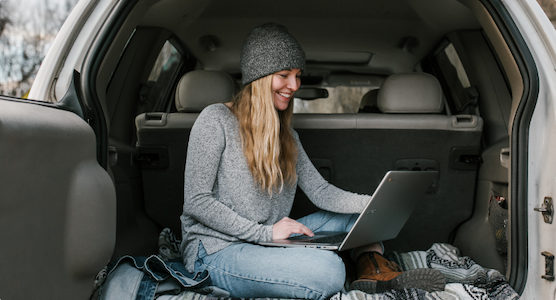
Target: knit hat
x,y
269,48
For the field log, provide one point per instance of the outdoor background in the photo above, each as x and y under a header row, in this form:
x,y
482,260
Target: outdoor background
x,y
28,27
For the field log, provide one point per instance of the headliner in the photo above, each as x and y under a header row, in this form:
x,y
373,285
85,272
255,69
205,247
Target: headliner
x,y
359,36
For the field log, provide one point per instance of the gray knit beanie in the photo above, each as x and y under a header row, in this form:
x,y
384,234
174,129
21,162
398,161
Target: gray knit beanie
x,y
269,48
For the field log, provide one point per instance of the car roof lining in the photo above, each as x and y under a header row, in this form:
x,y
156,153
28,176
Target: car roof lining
x,y
190,21
321,24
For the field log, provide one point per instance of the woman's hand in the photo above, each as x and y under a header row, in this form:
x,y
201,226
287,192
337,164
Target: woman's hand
x,y
285,227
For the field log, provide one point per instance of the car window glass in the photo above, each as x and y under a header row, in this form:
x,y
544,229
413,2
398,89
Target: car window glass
x,y
159,88
458,89
453,57
341,100
26,34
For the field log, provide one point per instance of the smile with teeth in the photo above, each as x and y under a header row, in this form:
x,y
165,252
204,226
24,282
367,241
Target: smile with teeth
x,y
285,95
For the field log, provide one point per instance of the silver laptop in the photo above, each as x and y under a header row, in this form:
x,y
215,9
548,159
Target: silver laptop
x,y
391,204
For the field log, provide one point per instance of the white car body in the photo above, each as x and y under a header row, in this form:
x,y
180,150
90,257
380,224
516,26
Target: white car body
x,y
77,39
541,39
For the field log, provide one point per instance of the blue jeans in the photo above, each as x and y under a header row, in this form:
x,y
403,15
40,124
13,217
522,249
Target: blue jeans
x,y
145,278
250,271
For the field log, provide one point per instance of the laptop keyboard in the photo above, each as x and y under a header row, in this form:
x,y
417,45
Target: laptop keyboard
x,y
329,239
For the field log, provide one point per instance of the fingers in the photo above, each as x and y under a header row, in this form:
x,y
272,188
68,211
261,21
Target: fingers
x,y
301,229
305,230
285,227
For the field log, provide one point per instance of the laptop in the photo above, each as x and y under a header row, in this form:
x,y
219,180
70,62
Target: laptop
x,y
390,206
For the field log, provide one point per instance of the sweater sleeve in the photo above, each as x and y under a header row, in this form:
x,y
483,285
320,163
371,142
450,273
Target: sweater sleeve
x,y
206,145
323,194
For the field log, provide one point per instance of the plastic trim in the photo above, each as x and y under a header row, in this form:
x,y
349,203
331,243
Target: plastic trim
x,y
519,142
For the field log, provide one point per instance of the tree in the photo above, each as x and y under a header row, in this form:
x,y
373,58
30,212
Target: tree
x,y
26,33
549,7
4,20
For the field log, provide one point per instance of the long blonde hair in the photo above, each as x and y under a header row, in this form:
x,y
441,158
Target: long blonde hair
x,y
266,137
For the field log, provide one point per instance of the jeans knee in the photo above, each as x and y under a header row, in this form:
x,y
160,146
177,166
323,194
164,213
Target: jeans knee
x,y
328,275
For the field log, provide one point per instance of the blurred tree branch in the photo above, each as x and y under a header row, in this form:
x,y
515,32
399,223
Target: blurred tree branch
x,y
4,19
26,33
549,7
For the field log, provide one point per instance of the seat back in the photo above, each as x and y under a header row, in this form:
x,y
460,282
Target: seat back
x,y
354,151
58,204
162,140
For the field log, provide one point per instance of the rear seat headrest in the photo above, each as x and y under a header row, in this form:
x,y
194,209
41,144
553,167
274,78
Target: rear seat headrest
x,y
410,93
200,88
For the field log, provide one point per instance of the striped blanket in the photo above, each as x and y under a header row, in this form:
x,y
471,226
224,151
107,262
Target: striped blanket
x,y
465,279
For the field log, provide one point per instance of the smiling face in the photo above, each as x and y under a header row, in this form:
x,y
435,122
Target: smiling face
x,y
284,84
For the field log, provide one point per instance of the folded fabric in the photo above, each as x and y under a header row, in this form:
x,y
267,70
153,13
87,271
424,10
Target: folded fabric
x,y
466,279
147,278
168,245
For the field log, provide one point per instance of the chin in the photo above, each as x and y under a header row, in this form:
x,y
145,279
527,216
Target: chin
x,y
281,107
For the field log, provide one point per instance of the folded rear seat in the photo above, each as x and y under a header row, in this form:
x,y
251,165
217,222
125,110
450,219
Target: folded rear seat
x,y
353,151
162,140
413,132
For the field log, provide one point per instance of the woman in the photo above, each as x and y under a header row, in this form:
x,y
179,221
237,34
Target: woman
x,y
244,162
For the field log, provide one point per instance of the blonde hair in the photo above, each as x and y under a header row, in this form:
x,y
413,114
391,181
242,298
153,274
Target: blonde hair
x,y
266,137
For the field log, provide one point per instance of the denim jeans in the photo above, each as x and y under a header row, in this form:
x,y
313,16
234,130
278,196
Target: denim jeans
x,y
145,278
250,271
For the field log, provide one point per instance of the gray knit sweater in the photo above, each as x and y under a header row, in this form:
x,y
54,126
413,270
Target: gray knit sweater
x,y
223,204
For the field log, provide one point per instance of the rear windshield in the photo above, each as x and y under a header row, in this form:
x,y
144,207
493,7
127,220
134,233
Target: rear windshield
x,y
341,100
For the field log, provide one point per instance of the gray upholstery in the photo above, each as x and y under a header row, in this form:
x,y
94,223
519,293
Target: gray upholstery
x,y
200,88
163,138
388,121
410,93
352,151
58,204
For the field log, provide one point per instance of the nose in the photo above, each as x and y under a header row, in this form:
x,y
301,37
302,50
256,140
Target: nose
x,y
293,83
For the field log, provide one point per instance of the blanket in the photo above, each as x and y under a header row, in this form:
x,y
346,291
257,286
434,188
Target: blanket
x,y
465,279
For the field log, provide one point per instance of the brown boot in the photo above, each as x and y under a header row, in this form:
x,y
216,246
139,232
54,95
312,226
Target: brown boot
x,y
376,274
